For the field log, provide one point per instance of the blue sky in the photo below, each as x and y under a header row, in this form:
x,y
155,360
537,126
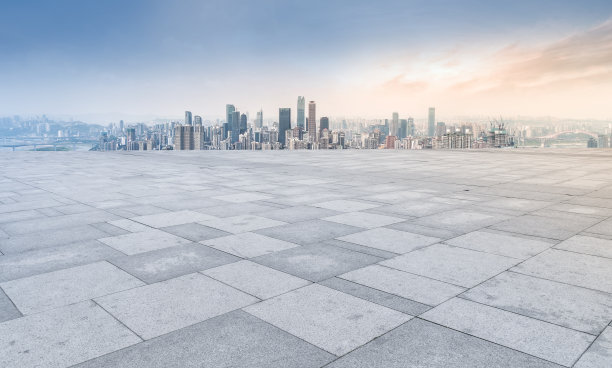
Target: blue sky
x,y
158,58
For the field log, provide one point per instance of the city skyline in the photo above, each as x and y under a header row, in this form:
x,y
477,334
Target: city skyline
x,y
355,59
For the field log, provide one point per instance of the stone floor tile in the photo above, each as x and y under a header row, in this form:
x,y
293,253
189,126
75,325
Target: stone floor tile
x,y
43,239
255,279
299,213
309,232
172,218
423,344
58,288
316,262
506,244
363,219
156,309
129,225
599,354
7,308
544,340
587,245
195,232
546,227
458,266
249,245
164,264
243,197
406,285
343,205
144,241
62,337
327,318
390,240
460,220
242,223
571,268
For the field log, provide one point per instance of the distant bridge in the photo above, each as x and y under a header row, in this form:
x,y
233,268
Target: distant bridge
x,y
556,135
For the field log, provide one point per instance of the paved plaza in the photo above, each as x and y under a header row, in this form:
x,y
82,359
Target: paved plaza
x,y
375,258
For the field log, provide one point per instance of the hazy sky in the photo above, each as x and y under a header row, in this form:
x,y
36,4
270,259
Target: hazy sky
x,y
355,58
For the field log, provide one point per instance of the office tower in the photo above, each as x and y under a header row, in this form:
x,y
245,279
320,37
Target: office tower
x,y
301,107
188,120
284,124
440,128
121,126
403,131
243,123
183,137
411,130
235,126
259,121
323,124
312,121
431,122
198,135
393,129
197,120
229,111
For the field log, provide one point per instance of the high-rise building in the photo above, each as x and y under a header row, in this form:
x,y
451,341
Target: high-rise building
x,y
301,107
121,126
229,111
197,120
312,121
235,127
243,123
431,122
188,120
284,124
394,126
403,130
183,137
259,120
323,124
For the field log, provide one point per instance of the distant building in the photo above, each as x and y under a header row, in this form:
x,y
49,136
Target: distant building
x,y
312,121
188,120
197,120
394,125
243,123
323,124
235,126
592,143
301,107
259,119
403,130
431,122
183,137
390,142
284,124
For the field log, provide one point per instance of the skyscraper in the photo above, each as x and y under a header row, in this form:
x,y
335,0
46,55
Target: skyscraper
x,y
431,122
301,107
259,120
188,120
323,124
403,130
197,120
235,126
243,123
229,111
393,129
312,121
284,124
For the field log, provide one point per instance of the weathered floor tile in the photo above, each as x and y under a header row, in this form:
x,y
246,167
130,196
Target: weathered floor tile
x,y
156,309
242,223
299,213
19,265
249,245
500,244
27,242
316,262
587,245
390,240
255,279
376,296
243,197
546,227
195,232
566,305
56,223
458,266
343,205
460,220
164,264
62,337
599,354
7,308
327,318
54,289
544,340
363,219
423,344
144,241
309,232
406,285
129,225
571,268
172,218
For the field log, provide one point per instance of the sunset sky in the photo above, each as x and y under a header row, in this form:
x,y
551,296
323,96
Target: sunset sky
x,y
355,58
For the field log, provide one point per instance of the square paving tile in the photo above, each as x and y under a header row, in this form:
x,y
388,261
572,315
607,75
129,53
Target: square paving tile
x,y
19,265
587,245
316,262
423,344
24,243
406,285
235,339
562,304
195,232
544,340
173,218
255,279
569,267
458,266
344,205
229,210
309,232
164,264
547,227
390,240
62,337
249,245
363,219
460,220
299,213
54,289
327,318
243,197
500,244
599,354
129,225
144,241
7,308
156,309
242,223
604,227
